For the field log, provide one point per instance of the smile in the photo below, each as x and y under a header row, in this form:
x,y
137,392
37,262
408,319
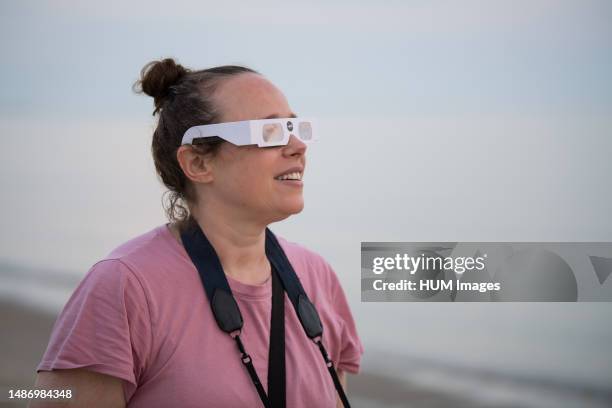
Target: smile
x,y
290,176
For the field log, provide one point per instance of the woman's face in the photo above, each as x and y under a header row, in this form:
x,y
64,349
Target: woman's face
x,y
244,177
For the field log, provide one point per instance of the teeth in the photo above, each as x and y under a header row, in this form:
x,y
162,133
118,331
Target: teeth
x,y
290,176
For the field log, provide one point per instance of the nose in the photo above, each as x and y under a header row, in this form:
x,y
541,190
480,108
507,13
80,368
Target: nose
x,y
294,147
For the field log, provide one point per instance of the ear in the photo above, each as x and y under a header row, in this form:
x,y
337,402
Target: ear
x,y
197,167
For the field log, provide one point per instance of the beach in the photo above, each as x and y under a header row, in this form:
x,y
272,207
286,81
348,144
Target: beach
x,y
26,332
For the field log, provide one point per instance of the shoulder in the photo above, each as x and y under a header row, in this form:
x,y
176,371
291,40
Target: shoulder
x,y
133,271
149,253
302,255
312,269
139,246
120,287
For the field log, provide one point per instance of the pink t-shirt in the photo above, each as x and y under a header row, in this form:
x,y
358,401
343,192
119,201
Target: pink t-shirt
x,y
141,314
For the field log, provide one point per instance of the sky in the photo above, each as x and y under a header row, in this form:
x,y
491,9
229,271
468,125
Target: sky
x,y
400,58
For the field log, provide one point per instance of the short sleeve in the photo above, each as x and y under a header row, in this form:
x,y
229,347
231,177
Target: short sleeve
x,y
350,349
104,327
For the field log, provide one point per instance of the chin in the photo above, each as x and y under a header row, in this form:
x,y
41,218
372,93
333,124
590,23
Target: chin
x,y
298,209
289,210
294,208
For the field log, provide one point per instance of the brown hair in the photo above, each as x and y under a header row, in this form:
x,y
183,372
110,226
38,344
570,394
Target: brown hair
x,y
182,98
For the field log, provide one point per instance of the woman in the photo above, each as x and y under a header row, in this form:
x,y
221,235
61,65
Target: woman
x,y
139,330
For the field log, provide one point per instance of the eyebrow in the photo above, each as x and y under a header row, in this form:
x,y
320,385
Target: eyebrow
x,y
275,116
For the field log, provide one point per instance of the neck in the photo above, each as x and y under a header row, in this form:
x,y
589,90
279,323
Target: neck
x,y
239,243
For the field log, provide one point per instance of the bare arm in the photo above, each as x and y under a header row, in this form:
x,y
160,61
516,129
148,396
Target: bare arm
x,y
89,389
342,378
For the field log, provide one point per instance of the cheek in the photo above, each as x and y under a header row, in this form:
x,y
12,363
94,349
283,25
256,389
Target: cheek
x,y
250,177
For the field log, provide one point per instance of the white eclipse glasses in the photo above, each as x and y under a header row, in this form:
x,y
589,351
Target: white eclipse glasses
x,y
262,132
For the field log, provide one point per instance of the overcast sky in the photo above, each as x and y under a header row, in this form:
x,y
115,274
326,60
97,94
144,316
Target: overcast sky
x,y
342,58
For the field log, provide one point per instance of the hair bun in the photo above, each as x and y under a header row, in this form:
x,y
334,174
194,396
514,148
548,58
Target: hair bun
x,y
157,77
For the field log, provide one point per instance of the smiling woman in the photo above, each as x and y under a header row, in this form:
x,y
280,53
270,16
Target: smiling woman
x,y
211,309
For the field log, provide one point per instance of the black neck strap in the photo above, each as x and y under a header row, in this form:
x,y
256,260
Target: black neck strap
x,y
224,306
277,392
